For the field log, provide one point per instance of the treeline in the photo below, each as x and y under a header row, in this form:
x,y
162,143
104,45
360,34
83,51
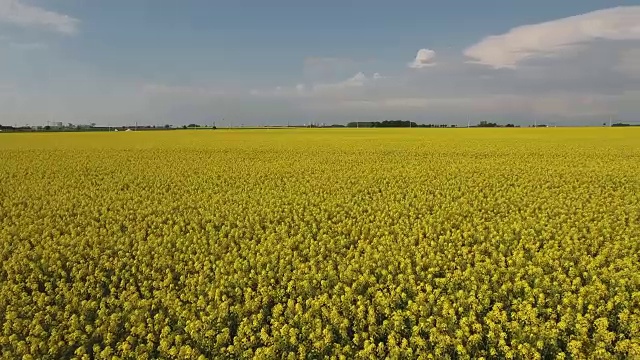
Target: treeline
x,y
394,124
411,124
621,125
490,124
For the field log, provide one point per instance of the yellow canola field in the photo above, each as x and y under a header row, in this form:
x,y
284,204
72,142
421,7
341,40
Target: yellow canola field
x,y
321,243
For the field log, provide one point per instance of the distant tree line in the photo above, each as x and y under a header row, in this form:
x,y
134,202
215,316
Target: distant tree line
x,y
406,124
491,125
394,124
194,126
487,124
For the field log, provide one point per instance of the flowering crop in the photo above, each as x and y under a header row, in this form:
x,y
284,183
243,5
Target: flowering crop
x,y
345,243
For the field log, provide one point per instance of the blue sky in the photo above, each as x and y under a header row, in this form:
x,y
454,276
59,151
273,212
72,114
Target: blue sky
x,y
116,62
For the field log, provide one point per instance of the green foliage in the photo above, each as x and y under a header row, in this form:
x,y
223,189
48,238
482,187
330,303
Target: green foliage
x,y
337,243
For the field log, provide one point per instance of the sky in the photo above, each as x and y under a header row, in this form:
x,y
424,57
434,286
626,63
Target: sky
x,y
117,62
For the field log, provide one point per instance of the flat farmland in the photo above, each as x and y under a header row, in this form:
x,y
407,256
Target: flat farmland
x,y
321,243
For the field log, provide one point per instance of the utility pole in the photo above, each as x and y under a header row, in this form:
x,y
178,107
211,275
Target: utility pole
x,y
136,126
610,120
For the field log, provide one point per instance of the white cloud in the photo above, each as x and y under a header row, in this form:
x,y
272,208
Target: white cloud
x,y
356,85
358,82
18,13
424,58
556,37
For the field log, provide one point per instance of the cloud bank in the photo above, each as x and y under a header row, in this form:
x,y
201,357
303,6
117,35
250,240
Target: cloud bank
x,y
556,37
18,13
424,58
